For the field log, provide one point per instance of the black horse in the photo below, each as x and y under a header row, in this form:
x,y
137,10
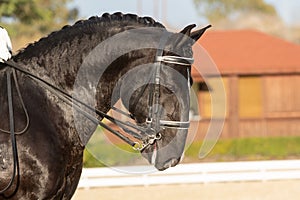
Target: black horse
x,y
140,67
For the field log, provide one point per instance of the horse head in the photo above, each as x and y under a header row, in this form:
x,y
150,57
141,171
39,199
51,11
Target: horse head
x,y
157,95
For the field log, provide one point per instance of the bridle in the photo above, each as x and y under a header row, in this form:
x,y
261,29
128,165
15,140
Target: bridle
x,y
147,135
154,99
154,124
153,121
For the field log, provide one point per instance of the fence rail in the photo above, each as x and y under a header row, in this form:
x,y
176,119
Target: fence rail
x,y
191,173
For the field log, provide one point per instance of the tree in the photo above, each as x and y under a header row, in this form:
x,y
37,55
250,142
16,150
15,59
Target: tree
x,y
29,20
240,14
43,15
218,10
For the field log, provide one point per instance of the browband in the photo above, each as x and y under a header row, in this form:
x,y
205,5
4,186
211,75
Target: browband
x,y
175,60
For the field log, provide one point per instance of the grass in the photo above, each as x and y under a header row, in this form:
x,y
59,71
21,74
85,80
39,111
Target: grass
x,y
101,152
249,149
225,150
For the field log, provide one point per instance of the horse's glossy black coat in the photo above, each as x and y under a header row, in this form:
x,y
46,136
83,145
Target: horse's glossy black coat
x,y
50,152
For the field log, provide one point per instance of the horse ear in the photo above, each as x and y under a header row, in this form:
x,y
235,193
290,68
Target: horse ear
x,y
184,35
187,33
187,30
197,34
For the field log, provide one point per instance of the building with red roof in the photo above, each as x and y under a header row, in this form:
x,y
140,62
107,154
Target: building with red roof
x,y
260,74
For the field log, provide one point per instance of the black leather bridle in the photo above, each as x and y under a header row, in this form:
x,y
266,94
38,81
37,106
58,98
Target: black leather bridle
x,y
154,121
146,134
154,97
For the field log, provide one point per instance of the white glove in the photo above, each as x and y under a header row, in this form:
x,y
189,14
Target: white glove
x,y
5,45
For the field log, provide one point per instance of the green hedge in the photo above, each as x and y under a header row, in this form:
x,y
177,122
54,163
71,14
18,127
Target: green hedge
x,y
249,149
225,150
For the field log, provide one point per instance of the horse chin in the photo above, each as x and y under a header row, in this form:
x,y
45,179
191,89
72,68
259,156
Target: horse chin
x,y
170,163
151,154
164,156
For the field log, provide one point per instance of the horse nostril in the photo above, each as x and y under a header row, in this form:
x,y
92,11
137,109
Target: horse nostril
x,y
174,162
171,163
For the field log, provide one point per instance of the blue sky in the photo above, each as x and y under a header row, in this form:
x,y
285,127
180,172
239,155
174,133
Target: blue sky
x,y
178,13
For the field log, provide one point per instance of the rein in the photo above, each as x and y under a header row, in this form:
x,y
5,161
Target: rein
x,y
72,101
147,135
13,133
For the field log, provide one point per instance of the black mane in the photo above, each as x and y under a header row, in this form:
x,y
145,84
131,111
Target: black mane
x,y
89,27
60,54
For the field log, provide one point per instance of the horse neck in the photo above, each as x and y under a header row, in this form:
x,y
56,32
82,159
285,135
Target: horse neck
x,y
57,64
63,64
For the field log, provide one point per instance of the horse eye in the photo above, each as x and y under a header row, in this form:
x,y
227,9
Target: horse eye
x,y
170,89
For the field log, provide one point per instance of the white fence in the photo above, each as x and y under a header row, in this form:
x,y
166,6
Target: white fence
x,y
192,173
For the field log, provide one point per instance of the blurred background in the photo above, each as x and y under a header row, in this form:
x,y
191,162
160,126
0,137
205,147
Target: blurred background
x,y
255,45
28,20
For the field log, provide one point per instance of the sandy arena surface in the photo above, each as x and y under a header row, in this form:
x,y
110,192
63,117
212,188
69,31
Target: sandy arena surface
x,y
273,190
